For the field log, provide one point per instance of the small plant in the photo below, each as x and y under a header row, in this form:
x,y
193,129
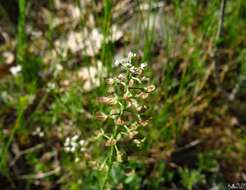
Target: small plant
x,y
126,109
189,178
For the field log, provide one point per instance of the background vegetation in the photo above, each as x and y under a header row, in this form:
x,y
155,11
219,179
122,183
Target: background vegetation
x,y
55,57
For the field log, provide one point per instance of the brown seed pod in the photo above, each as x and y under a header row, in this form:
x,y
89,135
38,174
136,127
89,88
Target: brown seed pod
x,y
119,121
131,83
142,95
142,109
150,88
122,77
132,134
107,100
110,81
101,116
143,122
110,142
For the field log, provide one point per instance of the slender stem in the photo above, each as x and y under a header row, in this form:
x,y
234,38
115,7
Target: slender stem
x,y
110,164
216,47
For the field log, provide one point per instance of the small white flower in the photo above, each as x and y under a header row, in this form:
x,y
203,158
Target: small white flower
x,y
67,140
66,144
67,149
133,69
38,132
77,160
15,70
117,63
41,134
51,86
59,67
72,149
81,142
131,55
143,65
127,64
74,144
75,137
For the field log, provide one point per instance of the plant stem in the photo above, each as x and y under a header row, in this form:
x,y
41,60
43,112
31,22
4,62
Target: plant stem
x,y
21,37
110,164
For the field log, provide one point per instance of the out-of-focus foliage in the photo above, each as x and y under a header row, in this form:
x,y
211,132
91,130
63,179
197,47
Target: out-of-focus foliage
x,y
55,59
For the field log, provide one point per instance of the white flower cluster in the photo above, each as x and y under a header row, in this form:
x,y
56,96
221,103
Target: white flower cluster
x,y
126,64
74,143
15,70
38,132
58,68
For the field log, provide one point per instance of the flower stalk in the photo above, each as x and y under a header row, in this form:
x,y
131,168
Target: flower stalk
x,y
126,93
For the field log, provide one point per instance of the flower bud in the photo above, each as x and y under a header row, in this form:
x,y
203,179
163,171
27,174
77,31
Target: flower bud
x,y
131,55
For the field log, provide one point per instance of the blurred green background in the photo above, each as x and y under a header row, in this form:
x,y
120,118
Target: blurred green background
x,y
54,58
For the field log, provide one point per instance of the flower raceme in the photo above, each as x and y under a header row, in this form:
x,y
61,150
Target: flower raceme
x,y
126,93
125,100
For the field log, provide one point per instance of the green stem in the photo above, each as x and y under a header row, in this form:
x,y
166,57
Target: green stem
x,y
21,37
110,164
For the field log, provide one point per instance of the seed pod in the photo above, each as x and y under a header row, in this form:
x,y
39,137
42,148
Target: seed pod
x,y
144,79
110,142
137,142
119,156
142,109
119,121
150,88
131,83
127,96
143,122
110,90
122,77
107,100
143,95
110,81
101,116
133,103
114,111
132,134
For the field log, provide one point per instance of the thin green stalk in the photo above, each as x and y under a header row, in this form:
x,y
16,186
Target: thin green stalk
x,y
21,44
110,164
106,53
